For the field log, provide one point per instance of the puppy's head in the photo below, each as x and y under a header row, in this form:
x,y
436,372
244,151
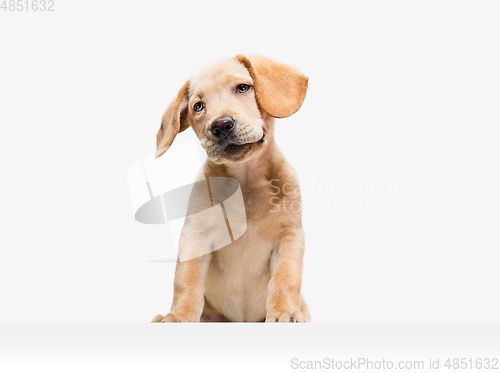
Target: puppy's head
x,y
227,103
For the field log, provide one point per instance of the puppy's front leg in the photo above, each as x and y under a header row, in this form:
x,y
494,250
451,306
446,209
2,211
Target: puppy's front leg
x,y
283,293
189,291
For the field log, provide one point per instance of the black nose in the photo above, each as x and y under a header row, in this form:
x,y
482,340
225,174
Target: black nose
x,y
222,125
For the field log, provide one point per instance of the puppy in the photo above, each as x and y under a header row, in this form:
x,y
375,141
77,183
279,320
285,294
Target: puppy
x,y
231,106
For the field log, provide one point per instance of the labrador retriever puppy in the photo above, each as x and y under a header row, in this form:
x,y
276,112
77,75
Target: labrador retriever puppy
x,y
231,105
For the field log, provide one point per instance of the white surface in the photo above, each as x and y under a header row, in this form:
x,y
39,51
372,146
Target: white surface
x,y
401,93
236,347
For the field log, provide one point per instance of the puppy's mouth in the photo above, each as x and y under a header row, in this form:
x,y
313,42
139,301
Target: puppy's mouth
x,y
233,150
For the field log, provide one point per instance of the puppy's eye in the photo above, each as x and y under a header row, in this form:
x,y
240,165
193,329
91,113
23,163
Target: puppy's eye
x,y
242,88
198,106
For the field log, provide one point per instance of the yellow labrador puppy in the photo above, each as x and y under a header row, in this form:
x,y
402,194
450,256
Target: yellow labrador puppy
x,y
231,106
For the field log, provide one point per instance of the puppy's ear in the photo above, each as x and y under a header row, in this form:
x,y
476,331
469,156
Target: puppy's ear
x,y
280,89
173,122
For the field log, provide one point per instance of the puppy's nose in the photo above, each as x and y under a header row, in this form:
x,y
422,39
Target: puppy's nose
x,y
222,125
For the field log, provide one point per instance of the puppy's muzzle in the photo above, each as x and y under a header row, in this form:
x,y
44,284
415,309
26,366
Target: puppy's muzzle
x,y
222,126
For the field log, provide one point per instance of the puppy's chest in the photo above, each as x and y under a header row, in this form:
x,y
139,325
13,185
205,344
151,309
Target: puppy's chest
x,y
250,253
239,274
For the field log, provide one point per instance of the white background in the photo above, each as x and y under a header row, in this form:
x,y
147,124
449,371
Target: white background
x,y
403,93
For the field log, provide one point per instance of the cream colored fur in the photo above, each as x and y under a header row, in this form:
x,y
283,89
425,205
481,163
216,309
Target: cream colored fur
x,y
258,277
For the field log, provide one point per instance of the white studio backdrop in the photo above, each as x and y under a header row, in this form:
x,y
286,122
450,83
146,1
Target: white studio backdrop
x,y
396,147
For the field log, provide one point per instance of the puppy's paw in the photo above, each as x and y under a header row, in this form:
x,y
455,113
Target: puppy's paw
x,y
170,318
286,316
